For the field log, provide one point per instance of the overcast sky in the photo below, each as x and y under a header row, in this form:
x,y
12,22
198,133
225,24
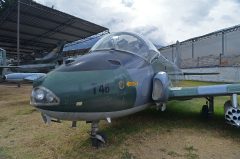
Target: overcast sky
x,y
161,21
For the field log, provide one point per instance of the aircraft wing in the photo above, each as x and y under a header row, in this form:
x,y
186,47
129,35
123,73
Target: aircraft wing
x,y
203,91
19,77
9,66
33,77
35,66
231,108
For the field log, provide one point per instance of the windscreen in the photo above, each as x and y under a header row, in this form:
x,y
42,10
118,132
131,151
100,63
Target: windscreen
x,y
127,42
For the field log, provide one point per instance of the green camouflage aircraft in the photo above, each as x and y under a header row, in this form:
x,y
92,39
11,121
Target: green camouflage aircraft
x,y
122,74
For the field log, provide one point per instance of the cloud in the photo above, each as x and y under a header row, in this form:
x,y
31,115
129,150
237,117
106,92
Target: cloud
x,y
162,21
198,11
128,3
153,33
237,1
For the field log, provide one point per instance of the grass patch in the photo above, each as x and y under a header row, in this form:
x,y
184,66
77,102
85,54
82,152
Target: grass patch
x,y
25,111
163,150
191,152
3,119
174,154
33,139
190,149
127,155
192,156
3,154
189,83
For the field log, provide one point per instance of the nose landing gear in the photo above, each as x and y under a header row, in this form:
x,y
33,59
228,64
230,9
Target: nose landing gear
x,y
98,138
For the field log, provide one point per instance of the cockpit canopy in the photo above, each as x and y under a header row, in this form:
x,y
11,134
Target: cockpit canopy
x,y
127,42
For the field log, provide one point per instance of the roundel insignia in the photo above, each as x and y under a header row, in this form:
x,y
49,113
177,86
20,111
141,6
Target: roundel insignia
x,y
121,84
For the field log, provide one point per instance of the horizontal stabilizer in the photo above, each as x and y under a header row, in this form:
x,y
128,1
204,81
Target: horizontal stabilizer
x,y
194,73
200,73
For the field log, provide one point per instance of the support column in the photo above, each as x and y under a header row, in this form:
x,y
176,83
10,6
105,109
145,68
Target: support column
x,y
223,51
192,48
18,31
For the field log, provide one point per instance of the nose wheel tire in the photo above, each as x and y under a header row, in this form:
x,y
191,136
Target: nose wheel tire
x,y
98,140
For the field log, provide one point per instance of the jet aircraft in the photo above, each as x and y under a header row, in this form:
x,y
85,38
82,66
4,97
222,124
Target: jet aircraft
x,y
32,70
122,74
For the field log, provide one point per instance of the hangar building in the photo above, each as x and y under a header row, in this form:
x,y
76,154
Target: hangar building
x,y
218,51
27,27
220,48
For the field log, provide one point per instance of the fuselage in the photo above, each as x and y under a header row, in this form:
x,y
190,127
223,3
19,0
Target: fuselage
x,y
106,83
35,68
42,65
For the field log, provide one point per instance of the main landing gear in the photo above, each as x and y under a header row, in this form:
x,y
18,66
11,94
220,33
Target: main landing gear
x,y
98,138
208,109
231,110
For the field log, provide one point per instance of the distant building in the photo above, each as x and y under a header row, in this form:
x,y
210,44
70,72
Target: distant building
x,y
220,48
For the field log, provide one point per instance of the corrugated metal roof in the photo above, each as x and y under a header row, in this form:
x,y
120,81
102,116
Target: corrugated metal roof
x,y
86,43
41,28
206,36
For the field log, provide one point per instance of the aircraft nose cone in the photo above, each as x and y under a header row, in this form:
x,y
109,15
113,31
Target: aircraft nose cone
x,y
89,91
80,88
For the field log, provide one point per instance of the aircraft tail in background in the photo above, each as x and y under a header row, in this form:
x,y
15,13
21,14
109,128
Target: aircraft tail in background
x,y
60,47
55,55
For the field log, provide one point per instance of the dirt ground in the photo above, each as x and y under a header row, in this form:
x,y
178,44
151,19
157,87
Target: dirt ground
x,y
145,135
187,143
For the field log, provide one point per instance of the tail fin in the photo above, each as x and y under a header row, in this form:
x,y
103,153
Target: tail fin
x,y
60,52
56,53
178,60
59,48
